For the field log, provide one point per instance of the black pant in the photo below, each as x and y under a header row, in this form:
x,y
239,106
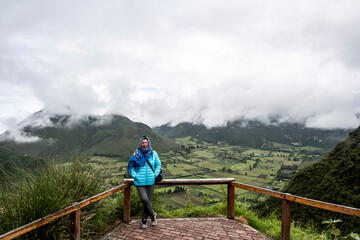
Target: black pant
x,y
146,194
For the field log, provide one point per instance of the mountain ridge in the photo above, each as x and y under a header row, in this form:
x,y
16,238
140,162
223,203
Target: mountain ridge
x,y
62,135
253,133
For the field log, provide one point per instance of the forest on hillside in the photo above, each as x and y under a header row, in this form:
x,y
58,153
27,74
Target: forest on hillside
x,y
334,179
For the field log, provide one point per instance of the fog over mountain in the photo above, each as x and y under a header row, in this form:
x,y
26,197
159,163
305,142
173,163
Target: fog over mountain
x,y
177,61
46,118
60,136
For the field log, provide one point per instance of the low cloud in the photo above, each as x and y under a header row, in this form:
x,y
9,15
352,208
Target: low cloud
x,y
203,62
47,118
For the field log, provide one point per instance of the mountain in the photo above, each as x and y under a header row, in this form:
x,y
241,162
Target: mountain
x,y
255,133
62,136
335,179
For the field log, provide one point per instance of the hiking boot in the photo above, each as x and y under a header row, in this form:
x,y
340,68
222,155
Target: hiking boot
x,y
154,222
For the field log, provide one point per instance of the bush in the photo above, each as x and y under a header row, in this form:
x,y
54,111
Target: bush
x,y
33,195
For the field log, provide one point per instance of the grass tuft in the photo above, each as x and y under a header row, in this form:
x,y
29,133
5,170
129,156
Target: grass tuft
x,y
32,195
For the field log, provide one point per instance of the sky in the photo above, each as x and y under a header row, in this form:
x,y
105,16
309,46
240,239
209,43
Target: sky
x,y
200,61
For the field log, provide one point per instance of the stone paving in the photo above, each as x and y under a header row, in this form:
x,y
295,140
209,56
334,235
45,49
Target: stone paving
x,y
186,228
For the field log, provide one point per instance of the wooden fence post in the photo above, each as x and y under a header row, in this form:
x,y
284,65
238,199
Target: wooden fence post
x,y
231,201
75,223
285,219
127,202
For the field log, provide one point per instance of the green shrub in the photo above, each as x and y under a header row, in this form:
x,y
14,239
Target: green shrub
x,y
33,195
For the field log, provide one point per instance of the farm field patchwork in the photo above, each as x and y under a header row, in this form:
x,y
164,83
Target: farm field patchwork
x,y
267,168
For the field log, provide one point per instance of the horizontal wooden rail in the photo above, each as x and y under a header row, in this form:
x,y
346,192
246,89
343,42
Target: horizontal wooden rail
x,y
302,200
102,195
203,181
49,218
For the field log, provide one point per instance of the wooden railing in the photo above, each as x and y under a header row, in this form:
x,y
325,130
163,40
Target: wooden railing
x,y
75,209
287,199
208,181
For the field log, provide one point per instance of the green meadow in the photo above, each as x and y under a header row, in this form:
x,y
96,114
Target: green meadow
x,y
270,168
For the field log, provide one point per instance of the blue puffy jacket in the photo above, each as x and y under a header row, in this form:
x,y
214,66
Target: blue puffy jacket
x,y
144,176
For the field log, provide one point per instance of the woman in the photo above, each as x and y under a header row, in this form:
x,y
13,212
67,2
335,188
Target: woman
x,y
144,176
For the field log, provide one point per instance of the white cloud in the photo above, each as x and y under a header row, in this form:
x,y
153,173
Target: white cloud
x,y
172,61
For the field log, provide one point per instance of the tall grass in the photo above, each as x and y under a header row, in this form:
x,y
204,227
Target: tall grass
x,y
271,226
33,195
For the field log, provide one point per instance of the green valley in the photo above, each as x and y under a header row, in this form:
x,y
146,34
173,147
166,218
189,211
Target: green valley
x,y
271,167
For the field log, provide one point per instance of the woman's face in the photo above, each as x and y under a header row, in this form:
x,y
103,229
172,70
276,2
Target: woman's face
x,y
144,144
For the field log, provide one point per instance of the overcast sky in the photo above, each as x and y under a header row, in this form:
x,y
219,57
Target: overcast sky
x,y
170,61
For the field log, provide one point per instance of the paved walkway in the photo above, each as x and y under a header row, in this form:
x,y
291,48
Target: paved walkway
x,y
186,228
